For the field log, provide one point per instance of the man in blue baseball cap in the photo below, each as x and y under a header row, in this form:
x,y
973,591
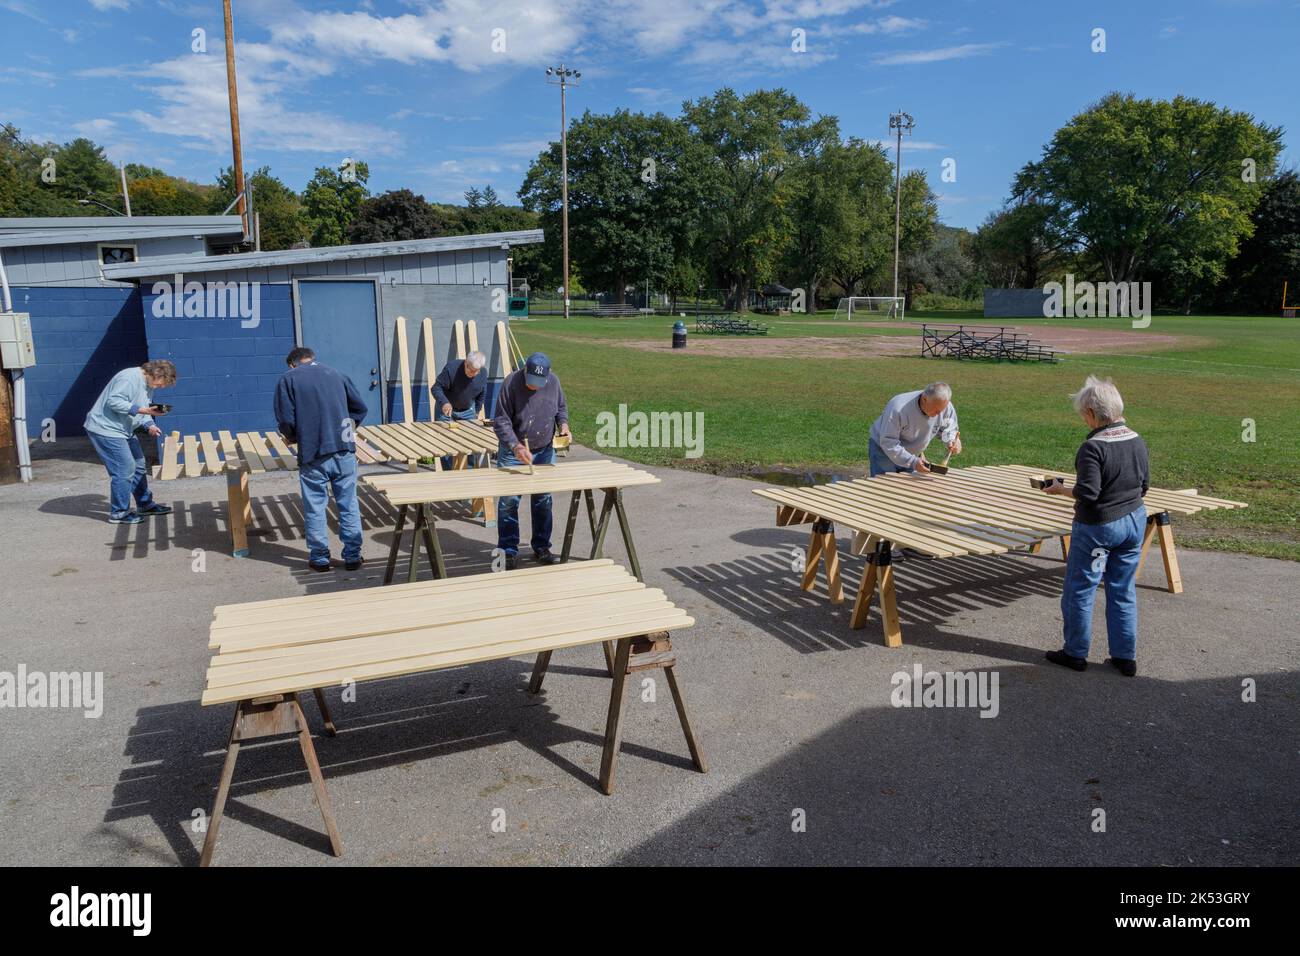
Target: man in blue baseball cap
x,y
530,408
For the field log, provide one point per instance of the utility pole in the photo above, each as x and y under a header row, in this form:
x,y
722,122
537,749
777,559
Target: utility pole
x,y
900,122
236,146
563,77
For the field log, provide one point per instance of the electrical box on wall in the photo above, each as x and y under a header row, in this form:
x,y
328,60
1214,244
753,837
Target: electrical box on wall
x,y
17,350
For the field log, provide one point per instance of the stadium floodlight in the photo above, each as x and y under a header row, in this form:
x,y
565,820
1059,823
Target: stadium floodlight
x,y
900,123
564,77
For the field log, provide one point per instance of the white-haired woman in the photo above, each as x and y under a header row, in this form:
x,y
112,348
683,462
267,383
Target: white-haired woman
x,y
1111,477
459,392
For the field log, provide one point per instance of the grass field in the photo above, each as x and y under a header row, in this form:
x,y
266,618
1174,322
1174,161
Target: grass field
x,y
804,408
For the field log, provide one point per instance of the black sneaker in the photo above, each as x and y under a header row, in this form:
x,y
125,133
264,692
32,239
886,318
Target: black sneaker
x,y
512,562
546,557
129,518
1127,667
1067,660
353,565
156,509
327,566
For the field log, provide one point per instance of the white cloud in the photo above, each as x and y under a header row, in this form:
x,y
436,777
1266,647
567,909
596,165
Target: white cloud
x,y
460,32
191,90
936,56
110,4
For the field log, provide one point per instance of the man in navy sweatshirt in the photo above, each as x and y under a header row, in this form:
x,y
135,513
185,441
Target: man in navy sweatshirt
x,y
530,408
319,408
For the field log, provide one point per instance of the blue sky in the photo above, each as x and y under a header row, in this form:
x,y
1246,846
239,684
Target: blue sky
x,y
415,87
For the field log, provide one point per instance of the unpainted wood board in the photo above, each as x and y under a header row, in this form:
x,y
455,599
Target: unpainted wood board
x,y
673,620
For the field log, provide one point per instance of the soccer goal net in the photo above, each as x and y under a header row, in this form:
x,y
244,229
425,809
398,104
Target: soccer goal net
x,y
870,306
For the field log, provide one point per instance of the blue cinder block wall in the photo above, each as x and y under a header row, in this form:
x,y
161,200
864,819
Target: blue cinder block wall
x,y
225,374
83,337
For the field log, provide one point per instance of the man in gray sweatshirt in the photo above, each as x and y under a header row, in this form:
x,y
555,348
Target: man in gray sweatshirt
x,y
906,427
530,408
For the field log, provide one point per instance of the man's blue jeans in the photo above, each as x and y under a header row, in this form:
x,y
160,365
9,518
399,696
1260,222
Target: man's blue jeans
x,y
508,508
337,472
880,462
468,415
1103,552
128,477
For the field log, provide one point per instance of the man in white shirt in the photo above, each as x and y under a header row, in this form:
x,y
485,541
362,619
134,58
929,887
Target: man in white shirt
x,y
906,427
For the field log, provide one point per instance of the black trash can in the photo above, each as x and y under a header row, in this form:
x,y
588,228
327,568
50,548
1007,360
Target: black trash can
x,y
679,334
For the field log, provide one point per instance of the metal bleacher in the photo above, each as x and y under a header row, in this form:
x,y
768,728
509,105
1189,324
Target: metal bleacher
x,y
728,325
1000,344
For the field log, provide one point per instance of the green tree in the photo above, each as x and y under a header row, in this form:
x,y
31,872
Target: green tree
x,y
83,172
1271,256
637,183
163,195
1015,248
330,203
1154,186
277,207
754,142
396,215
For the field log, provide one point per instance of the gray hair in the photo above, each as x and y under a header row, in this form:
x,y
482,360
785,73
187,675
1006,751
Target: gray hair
x,y
476,359
939,391
1101,397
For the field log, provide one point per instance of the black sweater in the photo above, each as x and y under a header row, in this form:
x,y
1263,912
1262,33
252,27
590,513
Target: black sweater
x,y
1111,474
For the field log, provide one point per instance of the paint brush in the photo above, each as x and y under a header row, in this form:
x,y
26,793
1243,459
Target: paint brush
x,y
942,469
530,456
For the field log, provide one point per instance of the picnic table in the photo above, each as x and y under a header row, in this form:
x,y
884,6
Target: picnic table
x,y
238,456
986,509
419,491
268,652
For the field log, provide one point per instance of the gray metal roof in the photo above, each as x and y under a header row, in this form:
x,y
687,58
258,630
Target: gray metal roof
x,y
57,231
165,265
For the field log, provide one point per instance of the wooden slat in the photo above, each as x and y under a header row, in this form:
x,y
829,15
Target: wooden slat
x,y
193,467
404,629
269,461
211,453
503,349
496,482
404,369
460,338
276,440
171,467
291,606
249,451
431,366
471,329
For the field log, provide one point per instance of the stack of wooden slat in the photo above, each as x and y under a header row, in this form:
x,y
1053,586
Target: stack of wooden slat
x,y
424,487
296,644
194,456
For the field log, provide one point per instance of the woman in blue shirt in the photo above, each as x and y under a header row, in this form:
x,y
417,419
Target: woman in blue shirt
x,y
123,407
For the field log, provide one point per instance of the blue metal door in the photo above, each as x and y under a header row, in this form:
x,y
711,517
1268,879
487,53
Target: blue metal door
x,y
339,321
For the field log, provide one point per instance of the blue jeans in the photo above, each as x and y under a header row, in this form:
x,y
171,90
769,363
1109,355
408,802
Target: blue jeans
x,y
880,462
337,472
128,476
508,508
468,415
1106,552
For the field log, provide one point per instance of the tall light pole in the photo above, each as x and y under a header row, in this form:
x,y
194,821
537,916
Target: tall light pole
x,y
901,123
235,144
562,77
